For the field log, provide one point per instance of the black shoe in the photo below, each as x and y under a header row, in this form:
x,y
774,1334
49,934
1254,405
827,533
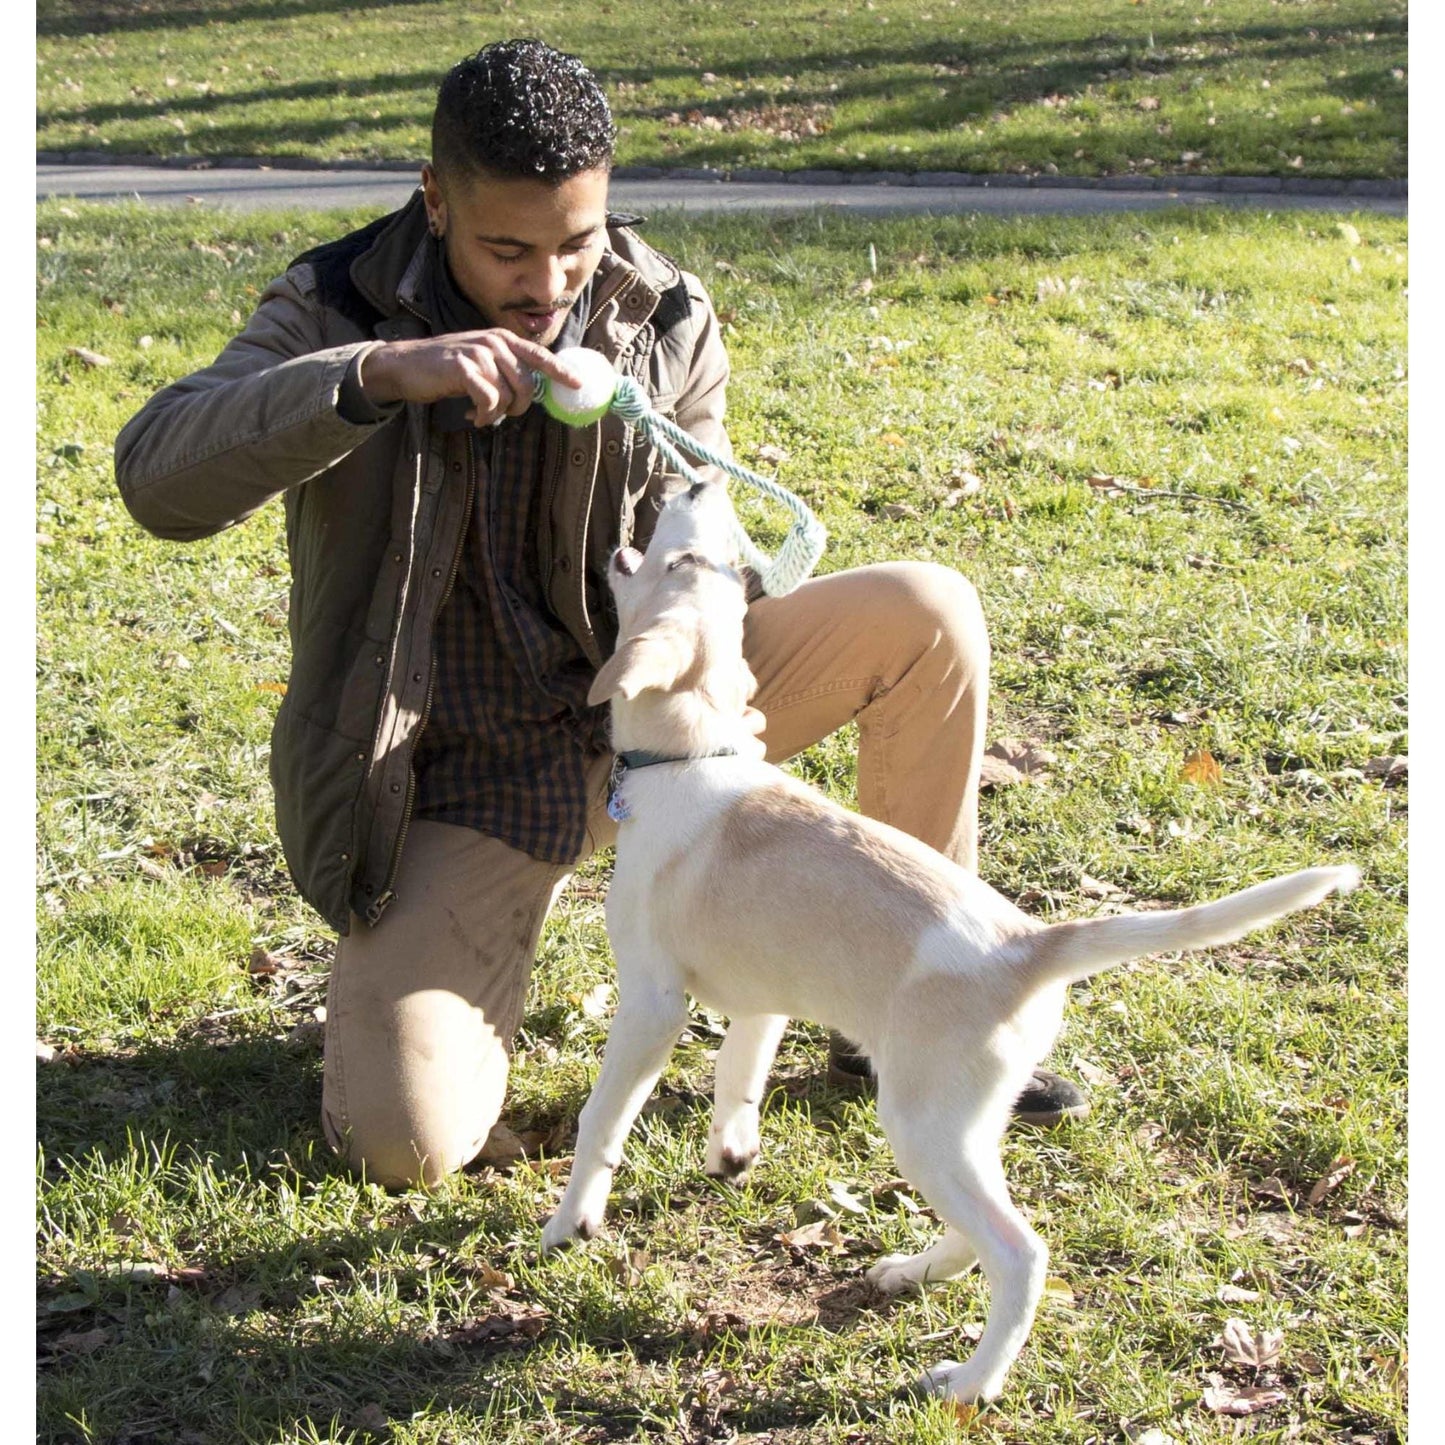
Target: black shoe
x,y
1046,1101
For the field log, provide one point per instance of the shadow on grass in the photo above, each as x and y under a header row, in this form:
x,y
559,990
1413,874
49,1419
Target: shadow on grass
x,y
84,17
951,83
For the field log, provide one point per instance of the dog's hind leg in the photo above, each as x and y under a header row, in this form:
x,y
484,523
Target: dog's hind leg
x,y
743,1062
644,1030
969,1194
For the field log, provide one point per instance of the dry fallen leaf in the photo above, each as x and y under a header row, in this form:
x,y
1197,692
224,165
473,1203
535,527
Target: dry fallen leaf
x,y
892,439
823,1234
898,511
1389,770
1147,102
1201,767
1336,1175
963,1414
1271,1188
845,1199
89,357
1245,1345
370,1417
772,452
502,1146
1092,887
1232,1294
82,1342
596,1003
1226,1399
1059,1291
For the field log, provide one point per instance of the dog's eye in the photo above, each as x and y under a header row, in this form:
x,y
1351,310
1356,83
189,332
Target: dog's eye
x,y
685,559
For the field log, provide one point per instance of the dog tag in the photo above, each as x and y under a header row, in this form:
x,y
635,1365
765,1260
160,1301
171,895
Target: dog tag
x,y
617,810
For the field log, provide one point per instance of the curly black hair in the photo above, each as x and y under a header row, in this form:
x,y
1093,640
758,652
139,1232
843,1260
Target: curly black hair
x,y
519,108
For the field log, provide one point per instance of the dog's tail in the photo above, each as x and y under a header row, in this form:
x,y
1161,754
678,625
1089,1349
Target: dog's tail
x,y
1071,951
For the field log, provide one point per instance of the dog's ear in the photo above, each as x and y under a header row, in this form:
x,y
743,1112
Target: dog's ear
x,y
650,660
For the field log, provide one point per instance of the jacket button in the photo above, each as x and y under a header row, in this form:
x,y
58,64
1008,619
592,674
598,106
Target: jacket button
x,y
612,448
436,571
564,564
456,466
378,659
396,787
361,757
345,857
634,300
396,557
578,456
416,677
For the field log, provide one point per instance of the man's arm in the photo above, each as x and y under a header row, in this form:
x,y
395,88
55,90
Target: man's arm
x,y
208,450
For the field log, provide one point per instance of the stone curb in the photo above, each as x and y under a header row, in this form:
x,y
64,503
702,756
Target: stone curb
x,y
1374,188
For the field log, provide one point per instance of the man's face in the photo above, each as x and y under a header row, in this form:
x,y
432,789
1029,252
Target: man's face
x,y
520,250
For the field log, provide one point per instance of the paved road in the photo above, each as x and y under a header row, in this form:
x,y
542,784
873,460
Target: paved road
x,y
246,189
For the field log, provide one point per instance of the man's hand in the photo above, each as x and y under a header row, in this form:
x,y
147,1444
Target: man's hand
x,y
494,368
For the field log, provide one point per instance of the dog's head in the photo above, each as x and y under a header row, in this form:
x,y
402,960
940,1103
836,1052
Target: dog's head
x,y
680,610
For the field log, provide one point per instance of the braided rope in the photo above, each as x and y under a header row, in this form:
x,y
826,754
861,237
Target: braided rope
x,y
803,545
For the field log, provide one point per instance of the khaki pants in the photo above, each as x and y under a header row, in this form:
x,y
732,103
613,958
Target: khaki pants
x,y
422,1008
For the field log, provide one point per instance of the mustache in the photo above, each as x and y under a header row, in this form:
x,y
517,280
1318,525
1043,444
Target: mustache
x,y
562,303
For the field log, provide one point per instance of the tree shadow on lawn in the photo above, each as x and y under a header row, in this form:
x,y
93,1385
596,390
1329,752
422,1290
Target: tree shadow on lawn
x,y
245,1341
981,78
81,17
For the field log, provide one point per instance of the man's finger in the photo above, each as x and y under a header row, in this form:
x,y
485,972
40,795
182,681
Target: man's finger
x,y
538,358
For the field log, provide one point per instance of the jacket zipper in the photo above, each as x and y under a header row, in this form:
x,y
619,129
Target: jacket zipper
x,y
386,896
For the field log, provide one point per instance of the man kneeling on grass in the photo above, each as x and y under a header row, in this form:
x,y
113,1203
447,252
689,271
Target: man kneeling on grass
x,y
438,771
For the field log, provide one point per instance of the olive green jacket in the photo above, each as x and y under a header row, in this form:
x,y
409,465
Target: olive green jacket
x,y
375,513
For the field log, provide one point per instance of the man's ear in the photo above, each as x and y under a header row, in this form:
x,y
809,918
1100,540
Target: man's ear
x,y
650,660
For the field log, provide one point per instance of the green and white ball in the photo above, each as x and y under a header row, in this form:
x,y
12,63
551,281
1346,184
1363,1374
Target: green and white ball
x,y
584,404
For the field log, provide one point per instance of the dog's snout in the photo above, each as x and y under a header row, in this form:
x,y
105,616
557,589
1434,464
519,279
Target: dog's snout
x,y
626,560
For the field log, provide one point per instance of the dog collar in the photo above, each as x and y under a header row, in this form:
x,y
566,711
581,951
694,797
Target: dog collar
x,y
634,758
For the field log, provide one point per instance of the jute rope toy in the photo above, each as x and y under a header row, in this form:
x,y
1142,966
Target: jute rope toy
x,y
604,390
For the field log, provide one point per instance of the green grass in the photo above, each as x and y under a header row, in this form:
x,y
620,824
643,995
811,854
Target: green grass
x,y
1083,87
1247,373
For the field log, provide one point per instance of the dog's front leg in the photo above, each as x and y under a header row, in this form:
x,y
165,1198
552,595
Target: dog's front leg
x,y
743,1062
644,1031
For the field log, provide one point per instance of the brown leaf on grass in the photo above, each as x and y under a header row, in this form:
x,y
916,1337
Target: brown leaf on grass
x,y
1232,1294
502,1146
1271,1188
771,452
963,1414
1336,1175
264,964
1226,1399
277,687
1027,757
489,1276
898,511
995,773
1147,102
1092,887
1245,1345
965,484
823,1234
1103,482
1389,770
1202,768
510,1329
82,1342
91,358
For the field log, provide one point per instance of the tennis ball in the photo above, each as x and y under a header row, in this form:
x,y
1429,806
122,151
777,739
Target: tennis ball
x,y
580,405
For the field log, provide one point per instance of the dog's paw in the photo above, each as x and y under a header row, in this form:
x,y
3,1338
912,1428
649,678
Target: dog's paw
x,y
896,1274
564,1229
948,1380
729,1164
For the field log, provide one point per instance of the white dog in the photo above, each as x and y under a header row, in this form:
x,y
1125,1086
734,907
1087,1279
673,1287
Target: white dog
x,y
743,887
